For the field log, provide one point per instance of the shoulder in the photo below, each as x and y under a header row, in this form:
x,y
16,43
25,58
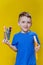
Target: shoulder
x,y
17,34
33,33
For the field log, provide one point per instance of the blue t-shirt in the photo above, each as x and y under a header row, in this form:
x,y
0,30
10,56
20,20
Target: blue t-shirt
x,y
24,42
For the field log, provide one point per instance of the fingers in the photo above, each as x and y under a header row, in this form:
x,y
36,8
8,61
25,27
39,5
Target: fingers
x,y
37,48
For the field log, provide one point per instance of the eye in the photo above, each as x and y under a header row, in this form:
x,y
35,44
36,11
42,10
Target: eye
x,y
23,21
28,22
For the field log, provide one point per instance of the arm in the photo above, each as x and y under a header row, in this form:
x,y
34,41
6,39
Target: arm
x,y
37,45
11,46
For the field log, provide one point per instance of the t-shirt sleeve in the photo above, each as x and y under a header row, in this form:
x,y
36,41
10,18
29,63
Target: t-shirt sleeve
x,y
15,42
37,38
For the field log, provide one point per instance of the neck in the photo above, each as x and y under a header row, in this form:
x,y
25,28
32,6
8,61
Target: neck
x,y
24,31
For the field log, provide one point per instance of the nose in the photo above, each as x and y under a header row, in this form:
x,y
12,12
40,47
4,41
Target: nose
x,y
26,24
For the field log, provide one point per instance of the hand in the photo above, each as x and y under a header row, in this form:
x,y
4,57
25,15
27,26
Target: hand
x,y
37,48
5,41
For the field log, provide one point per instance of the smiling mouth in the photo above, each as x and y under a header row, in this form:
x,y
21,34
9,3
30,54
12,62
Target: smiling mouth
x,y
25,27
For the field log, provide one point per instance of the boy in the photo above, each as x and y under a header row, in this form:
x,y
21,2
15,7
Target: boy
x,y
23,42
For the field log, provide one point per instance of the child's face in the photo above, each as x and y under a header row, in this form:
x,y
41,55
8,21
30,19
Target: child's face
x,y
25,23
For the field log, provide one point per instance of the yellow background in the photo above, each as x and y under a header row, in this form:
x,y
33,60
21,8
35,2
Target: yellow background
x,y
9,11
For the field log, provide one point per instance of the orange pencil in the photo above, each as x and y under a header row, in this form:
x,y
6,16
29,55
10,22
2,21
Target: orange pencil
x,y
36,44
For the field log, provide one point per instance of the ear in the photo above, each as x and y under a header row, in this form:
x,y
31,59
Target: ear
x,y
31,23
18,23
